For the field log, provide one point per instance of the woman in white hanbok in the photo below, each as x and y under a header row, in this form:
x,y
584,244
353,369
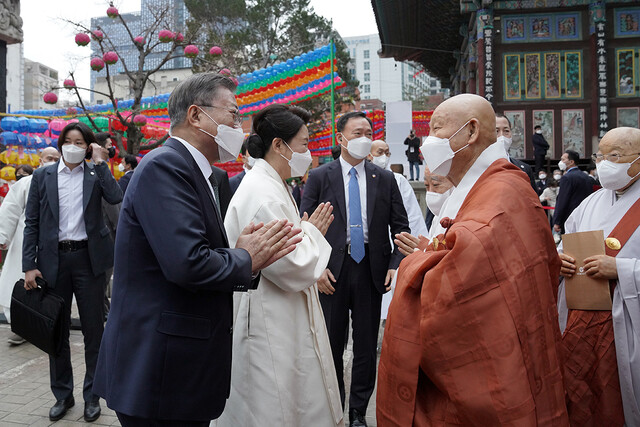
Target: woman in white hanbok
x,y
282,371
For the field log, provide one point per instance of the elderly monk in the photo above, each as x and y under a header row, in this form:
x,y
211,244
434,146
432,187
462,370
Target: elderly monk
x,y
602,348
471,336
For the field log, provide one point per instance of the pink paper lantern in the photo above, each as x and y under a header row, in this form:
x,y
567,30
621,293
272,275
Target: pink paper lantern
x,y
139,40
179,38
225,71
166,36
71,111
235,81
110,57
112,12
139,120
97,35
50,98
215,51
69,84
82,39
97,64
191,51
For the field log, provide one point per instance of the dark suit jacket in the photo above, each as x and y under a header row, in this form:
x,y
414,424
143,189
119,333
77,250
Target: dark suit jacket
x,y
224,191
235,181
124,181
575,186
40,246
166,348
384,210
526,169
540,145
541,185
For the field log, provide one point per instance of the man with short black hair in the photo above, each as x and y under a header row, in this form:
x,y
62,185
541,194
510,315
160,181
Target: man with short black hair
x,y
540,147
362,264
575,186
129,163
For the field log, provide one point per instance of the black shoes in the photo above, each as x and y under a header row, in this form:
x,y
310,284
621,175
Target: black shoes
x,y
60,408
356,419
91,411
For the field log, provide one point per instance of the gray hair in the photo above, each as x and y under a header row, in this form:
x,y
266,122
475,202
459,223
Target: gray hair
x,y
198,89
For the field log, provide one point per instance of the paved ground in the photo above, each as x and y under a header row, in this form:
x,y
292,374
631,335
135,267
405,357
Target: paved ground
x,y
25,396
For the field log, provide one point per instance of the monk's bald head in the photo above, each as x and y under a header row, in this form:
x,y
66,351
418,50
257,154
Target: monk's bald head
x,y
49,155
623,139
473,118
625,142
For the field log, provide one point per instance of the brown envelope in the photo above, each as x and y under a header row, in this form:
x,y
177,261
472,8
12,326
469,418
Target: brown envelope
x,y
584,292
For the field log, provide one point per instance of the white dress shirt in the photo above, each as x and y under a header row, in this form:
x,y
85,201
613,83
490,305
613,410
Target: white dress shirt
x,y
70,207
201,161
362,183
452,205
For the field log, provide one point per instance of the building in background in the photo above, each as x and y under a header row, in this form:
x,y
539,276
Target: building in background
x,y
571,67
38,79
384,78
15,77
172,72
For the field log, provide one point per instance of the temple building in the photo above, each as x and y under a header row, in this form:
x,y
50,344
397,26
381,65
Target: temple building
x,y
570,66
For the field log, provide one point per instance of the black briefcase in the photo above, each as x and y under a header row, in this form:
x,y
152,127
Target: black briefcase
x,y
38,316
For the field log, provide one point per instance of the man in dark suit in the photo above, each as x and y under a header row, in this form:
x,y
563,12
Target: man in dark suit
x,y
67,243
247,163
165,357
362,262
503,132
575,186
540,147
541,183
127,166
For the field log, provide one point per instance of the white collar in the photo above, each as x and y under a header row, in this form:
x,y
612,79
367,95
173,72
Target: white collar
x,y
346,168
62,166
452,205
200,159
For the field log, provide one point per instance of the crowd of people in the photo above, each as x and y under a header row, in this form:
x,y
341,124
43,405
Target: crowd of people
x,y
233,299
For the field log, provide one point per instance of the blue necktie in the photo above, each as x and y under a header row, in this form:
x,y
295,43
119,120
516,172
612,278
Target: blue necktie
x,y
355,218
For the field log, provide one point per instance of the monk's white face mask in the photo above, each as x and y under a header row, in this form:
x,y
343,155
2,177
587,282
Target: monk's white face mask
x,y
614,176
438,153
435,201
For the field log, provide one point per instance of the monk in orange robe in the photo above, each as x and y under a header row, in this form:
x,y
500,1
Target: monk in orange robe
x,y
472,336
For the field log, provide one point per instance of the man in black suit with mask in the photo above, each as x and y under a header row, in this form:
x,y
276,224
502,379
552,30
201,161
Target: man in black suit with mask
x,y
165,357
362,262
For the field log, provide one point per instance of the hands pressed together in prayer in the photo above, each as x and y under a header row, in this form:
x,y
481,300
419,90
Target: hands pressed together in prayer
x,y
321,218
597,266
408,244
268,243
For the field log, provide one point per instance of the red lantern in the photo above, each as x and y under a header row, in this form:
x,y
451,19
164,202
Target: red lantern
x,y
50,98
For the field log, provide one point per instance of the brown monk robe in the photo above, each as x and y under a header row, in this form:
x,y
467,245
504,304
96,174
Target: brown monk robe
x,y
471,337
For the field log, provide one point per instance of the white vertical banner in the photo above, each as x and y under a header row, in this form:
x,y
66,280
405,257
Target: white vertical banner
x,y
398,123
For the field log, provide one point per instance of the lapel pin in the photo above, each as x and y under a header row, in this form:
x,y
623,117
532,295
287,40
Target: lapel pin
x,y
92,173
373,176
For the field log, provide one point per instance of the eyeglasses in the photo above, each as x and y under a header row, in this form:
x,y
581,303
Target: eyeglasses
x,y
613,157
237,119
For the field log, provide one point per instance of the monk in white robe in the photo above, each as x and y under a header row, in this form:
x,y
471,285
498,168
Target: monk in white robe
x,y
282,370
597,394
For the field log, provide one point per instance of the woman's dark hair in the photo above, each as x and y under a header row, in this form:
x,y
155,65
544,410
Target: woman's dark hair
x,y
87,135
552,182
25,168
275,121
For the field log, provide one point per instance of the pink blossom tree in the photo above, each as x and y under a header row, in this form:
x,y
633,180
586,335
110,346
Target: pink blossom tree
x,y
174,45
